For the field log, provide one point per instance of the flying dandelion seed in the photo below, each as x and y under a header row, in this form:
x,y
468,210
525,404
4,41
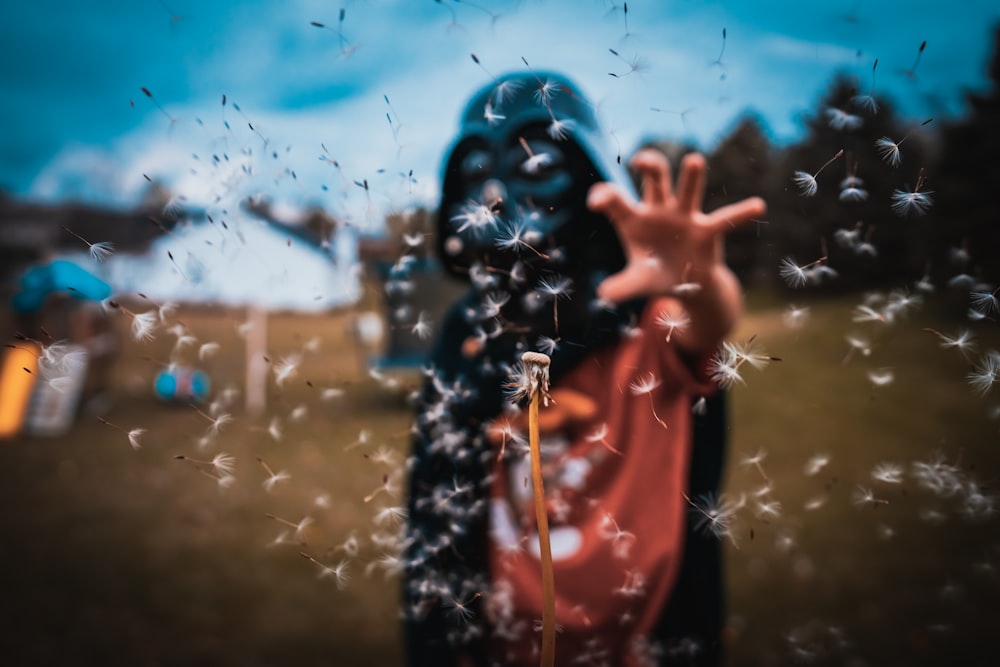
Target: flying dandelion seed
x,y
915,203
273,478
716,515
889,149
646,385
985,302
868,102
807,182
964,341
838,119
99,251
672,321
796,275
985,373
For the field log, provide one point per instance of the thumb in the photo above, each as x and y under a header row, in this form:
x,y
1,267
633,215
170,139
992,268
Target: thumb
x,y
629,283
610,200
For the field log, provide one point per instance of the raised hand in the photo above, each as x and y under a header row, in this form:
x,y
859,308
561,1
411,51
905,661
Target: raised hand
x,y
669,241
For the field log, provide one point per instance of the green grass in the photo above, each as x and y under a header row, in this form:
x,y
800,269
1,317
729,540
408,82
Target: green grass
x,y
916,598
115,556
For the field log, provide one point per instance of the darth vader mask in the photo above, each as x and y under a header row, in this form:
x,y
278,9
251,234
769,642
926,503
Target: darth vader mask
x,y
513,217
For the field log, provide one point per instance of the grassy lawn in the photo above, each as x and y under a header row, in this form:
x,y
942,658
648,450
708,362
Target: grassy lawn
x,y
118,556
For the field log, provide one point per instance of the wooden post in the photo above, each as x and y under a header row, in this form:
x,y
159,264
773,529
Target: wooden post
x,y
256,364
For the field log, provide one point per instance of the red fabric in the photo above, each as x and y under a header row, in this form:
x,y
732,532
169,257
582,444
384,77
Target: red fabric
x,y
624,513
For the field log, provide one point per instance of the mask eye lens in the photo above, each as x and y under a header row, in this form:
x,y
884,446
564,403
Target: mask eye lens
x,y
476,166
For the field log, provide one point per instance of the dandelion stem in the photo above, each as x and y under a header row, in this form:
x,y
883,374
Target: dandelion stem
x,y
538,363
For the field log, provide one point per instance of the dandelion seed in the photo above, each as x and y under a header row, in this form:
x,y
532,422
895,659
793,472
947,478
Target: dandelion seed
x,y
392,515
906,203
600,435
912,72
274,478
864,496
985,373
133,434
646,385
815,464
298,413
718,61
274,429
475,217
350,546
767,511
839,119
716,515
555,287
634,64
796,276
219,468
504,90
867,102
491,116
724,367
337,572
851,190
795,317
133,437
458,610
807,182
678,321
814,504
545,91
888,473
101,250
621,540
386,487
143,325
512,238
560,128
964,342
547,345
223,463
985,302
286,369
422,327
889,149
881,377
856,344
208,350
863,313
756,461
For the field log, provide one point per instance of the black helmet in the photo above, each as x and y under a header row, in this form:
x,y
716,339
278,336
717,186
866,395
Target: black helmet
x,y
516,179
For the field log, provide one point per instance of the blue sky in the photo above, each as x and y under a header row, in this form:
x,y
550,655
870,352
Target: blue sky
x,y
78,126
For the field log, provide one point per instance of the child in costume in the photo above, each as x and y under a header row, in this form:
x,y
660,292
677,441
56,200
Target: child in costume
x,y
630,299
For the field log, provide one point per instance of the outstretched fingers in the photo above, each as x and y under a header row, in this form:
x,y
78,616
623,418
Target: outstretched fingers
x,y
729,217
654,168
691,183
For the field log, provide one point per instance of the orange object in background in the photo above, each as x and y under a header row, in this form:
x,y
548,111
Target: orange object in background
x,y
18,374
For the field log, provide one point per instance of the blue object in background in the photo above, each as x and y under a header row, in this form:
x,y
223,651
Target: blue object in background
x,y
58,276
182,385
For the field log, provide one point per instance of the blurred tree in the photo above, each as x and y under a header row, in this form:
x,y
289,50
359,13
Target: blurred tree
x,y
968,240
849,218
742,166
